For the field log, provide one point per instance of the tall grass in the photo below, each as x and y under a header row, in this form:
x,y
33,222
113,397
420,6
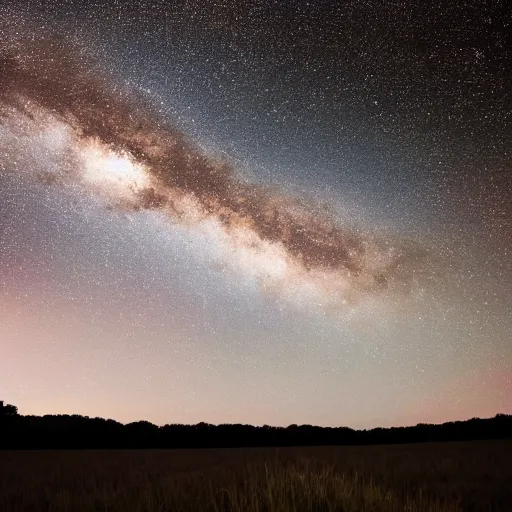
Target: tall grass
x,y
412,478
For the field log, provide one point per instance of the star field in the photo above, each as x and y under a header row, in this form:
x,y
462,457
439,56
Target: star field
x,y
263,213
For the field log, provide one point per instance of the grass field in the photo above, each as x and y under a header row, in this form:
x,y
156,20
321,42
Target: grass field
x,y
469,476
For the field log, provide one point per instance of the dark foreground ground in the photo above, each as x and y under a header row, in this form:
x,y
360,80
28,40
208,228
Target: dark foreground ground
x,y
468,476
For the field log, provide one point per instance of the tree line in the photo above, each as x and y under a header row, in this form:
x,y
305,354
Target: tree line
x,y
80,432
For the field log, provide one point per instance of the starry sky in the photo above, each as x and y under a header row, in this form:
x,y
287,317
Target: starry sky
x,y
266,213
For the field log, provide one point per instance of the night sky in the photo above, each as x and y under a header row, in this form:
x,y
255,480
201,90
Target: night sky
x,y
268,213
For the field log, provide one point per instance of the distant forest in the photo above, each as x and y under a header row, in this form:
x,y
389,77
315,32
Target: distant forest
x,y
79,432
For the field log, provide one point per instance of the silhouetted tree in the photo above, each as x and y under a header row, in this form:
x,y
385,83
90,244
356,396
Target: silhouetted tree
x,y
8,410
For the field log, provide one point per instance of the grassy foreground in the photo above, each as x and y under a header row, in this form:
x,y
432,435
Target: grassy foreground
x,y
473,476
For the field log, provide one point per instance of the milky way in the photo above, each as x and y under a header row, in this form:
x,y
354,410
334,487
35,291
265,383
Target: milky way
x,y
48,82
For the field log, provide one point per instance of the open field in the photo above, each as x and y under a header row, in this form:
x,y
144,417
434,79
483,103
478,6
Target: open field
x,y
466,476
